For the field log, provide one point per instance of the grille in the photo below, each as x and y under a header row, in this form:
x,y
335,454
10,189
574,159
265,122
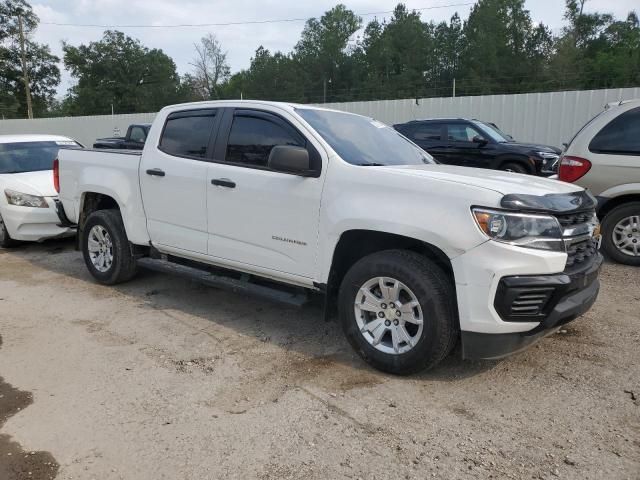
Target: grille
x,y
580,252
575,218
531,301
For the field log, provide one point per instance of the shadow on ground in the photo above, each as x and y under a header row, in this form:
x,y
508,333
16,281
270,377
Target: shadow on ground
x,y
301,331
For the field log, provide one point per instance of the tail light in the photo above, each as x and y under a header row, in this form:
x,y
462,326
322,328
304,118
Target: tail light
x,y
573,168
56,175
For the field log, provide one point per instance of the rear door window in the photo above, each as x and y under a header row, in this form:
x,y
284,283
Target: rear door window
x,y
426,132
187,134
621,136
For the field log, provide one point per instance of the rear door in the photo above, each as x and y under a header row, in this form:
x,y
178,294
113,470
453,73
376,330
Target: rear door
x,y
430,136
173,180
259,217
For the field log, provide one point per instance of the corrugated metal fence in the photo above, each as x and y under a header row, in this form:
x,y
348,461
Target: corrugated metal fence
x,y
549,118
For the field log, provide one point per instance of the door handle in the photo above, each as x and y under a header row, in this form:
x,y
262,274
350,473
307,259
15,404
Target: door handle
x,y
223,182
156,172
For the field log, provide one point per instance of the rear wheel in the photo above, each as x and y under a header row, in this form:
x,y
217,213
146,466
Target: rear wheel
x,y
397,311
513,167
5,239
621,234
106,249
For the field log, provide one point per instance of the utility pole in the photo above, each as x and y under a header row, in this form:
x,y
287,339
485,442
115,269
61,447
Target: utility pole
x,y
25,75
324,96
454,87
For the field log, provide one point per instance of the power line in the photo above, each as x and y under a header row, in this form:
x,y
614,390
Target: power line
x,y
250,22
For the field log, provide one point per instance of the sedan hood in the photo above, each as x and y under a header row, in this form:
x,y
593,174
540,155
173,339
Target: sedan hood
x,y
33,183
498,181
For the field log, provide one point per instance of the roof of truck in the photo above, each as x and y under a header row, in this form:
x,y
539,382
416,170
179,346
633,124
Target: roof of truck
x,y
285,105
34,138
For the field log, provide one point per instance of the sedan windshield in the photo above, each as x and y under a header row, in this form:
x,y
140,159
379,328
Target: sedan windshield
x,y
23,157
363,141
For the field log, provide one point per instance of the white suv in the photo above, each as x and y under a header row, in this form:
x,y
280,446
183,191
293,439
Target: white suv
x,y
604,157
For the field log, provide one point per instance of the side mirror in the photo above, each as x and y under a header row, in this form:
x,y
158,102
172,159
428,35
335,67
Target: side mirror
x,y
480,141
290,159
509,137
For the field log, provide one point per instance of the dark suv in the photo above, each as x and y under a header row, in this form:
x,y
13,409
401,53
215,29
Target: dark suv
x,y
472,143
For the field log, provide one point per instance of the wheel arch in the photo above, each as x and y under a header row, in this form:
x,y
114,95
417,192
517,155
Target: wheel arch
x,y
615,202
523,160
354,245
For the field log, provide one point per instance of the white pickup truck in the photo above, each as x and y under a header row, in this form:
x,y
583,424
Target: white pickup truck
x,y
415,255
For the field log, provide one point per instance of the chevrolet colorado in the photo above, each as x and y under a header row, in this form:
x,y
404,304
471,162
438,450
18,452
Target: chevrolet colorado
x,y
414,255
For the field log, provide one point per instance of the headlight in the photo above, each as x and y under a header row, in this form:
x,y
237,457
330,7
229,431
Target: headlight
x,y
548,155
524,230
549,161
25,200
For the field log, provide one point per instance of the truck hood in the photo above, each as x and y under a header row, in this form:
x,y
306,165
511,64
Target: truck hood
x,y
32,183
498,181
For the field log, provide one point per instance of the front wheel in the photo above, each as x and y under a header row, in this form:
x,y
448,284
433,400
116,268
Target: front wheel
x,y
397,311
106,249
621,234
5,239
513,167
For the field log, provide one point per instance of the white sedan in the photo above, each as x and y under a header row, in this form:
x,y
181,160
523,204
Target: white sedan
x,y
27,193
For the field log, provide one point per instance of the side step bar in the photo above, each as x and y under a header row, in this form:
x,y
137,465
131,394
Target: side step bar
x,y
293,297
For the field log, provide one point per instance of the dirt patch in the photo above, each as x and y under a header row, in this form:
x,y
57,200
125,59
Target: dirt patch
x,y
15,462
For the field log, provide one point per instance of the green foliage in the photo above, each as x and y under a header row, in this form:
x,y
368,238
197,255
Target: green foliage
x,y
42,66
118,70
498,49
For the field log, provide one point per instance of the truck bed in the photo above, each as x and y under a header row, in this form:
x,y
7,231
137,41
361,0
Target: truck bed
x,y
90,168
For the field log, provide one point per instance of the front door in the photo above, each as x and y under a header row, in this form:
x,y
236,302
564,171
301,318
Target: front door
x,y
466,146
173,181
259,217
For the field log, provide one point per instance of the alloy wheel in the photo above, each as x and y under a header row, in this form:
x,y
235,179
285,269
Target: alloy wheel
x,y
100,248
389,315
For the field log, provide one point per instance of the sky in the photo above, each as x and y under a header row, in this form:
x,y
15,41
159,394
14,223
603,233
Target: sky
x,y
241,41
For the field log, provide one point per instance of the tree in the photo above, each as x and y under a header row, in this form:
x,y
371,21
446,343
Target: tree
x,y
211,68
119,72
41,66
322,55
504,51
595,50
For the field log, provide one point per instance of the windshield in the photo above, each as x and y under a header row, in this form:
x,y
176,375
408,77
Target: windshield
x,y
23,157
494,132
363,141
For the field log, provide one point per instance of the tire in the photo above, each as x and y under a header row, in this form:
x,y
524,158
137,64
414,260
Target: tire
x,y
513,167
115,244
626,216
5,239
429,286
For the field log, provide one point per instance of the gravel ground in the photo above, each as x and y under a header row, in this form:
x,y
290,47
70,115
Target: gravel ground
x,y
164,378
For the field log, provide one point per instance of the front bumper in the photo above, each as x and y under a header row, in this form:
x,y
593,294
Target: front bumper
x,y
33,224
571,295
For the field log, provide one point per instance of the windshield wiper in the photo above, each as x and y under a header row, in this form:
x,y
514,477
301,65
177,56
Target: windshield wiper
x,y
371,164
